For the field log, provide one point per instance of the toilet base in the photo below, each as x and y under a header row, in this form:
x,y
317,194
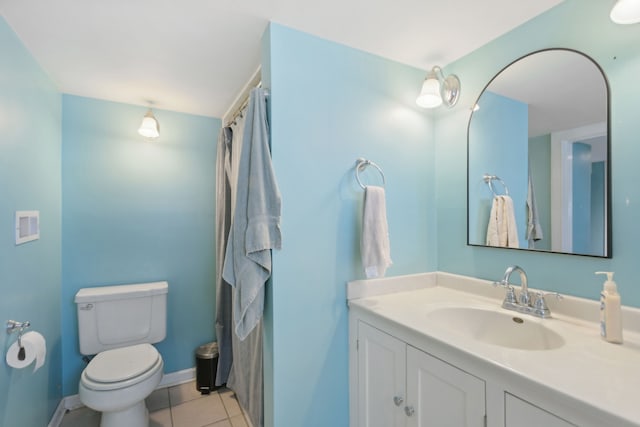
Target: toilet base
x,y
134,416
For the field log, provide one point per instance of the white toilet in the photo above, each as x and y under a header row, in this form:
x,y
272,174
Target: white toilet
x,y
118,324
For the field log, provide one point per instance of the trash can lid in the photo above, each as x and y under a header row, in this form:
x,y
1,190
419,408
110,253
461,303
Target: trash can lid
x,y
207,351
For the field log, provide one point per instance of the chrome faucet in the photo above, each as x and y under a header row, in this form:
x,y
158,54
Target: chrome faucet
x,y
522,303
525,298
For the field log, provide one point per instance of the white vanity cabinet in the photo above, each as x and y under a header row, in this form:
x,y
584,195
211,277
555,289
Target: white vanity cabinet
x,y
381,389
401,386
520,413
410,366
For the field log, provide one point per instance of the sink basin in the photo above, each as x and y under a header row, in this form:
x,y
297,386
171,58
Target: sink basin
x,y
510,330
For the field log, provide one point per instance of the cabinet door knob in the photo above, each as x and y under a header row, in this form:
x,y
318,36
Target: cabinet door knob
x,y
409,410
398,400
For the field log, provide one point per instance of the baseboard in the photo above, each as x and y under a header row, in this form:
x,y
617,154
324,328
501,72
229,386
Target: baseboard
x,y
72,402
69,403
178,377
58,414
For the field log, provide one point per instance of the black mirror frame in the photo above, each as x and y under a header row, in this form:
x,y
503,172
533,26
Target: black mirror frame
x,y
608,222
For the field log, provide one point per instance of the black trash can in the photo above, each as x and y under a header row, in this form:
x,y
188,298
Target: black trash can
x,y
206,367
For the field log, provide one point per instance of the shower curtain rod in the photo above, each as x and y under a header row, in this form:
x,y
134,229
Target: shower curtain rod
x,y
242,99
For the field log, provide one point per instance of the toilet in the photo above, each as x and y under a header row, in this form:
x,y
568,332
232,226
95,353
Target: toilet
x,y
118,324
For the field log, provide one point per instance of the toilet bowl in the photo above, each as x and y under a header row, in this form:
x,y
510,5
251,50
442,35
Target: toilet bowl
x,y
117,382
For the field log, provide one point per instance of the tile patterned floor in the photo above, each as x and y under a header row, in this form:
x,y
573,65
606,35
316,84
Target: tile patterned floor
x,y
178,406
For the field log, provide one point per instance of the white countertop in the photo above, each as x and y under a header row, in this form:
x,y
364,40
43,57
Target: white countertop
x,y
600,374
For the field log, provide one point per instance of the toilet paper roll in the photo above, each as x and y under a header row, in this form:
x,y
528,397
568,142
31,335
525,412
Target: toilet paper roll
x,y
35,348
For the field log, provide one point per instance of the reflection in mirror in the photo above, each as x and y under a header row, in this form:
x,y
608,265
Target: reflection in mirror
x,y
538,157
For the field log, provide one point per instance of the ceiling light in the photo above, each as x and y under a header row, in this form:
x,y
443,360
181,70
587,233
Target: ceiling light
x,y
626,12
149,127
438,89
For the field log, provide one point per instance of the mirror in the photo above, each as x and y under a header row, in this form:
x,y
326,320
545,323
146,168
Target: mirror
x,y
538,157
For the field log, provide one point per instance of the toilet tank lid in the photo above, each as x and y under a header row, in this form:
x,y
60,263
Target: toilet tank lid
x,y
106,293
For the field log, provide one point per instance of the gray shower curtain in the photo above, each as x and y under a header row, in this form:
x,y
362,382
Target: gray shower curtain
x,y
224,322
240,361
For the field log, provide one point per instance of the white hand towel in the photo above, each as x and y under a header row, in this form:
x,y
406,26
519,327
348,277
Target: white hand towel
x,y
502,230
374,245
510,222
495,222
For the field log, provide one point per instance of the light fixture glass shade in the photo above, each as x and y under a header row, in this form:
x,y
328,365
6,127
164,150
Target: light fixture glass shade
x,y
430,94
438,89
626,12
149,127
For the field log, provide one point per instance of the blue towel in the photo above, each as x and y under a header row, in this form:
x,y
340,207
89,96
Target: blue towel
x,y
256,220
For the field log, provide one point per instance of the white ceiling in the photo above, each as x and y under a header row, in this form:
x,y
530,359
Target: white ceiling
x,y
194,56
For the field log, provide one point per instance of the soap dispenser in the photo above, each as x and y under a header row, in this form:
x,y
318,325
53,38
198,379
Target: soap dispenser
x,y
610,311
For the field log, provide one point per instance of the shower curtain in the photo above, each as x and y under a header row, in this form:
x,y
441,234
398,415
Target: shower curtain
x,y
240,361
224,183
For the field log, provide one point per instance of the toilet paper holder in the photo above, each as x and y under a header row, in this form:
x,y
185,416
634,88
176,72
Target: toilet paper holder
x,y
15,326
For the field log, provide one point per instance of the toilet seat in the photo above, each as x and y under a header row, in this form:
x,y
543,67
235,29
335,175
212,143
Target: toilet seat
x,y
121,367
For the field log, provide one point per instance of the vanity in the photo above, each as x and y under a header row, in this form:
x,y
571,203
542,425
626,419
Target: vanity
x,y
437,349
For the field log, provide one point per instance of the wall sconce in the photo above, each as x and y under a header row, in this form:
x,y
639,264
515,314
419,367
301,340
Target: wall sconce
x,y
150,127
438,89
626,12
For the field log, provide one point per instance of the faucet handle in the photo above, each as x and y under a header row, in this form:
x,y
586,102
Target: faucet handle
x,y
503,283
541,294
510,297
540,305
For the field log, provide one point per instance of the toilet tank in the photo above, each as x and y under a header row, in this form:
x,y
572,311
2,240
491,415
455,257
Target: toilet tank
x,y
119,316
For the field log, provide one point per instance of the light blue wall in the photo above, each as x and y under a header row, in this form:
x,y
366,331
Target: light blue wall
x,y
330,105
136,211
499,147
267,331
581,189
540,161
30,114
598,201
583,25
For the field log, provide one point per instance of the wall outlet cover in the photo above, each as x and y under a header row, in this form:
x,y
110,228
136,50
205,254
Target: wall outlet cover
x,y
27,226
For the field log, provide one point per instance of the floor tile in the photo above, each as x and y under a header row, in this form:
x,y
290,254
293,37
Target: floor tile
x,y
230,402
238,421
183,393
159,399
223,423
160,418
178,406
199,412
83,417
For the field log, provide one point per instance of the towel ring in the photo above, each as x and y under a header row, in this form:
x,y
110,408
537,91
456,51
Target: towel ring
x,y
489,180
361,164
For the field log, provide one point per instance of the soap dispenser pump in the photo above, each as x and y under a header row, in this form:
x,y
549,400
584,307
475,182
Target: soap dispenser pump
x,y
610,310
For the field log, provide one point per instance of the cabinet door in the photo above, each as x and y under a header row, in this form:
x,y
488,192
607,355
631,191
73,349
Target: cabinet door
x,y
520,413
439,394
381,378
